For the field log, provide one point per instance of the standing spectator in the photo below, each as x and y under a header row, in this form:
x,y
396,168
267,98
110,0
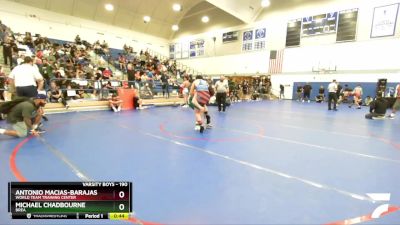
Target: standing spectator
x,y
27,78
7,51
377,109
396,105
339,91
282,91
299,92
165,85
131,75
222,89
307,92
357,96
332,88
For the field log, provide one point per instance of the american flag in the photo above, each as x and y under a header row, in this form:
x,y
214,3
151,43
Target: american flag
x,y
275,61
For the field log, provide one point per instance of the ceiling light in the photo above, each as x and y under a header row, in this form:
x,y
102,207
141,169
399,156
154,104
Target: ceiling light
x,y
176,7
109,7
205,19
175,27
146,19
265,3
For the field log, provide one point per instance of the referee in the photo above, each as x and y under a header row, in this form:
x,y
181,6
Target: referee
x,y
332,88
222,88
27,79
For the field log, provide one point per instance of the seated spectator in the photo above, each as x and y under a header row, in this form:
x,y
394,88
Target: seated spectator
x,y
368,101
55,95
137,102
3,79
377,109
107,74
145,91
115,103
321,95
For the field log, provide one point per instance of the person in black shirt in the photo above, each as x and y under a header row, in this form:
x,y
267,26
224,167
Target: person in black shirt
x,y
165,85
307,92
131,75
377,108
339,90
282,91
321,95
7,51
299,91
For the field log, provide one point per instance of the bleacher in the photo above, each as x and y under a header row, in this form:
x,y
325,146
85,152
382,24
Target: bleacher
x,y
101,102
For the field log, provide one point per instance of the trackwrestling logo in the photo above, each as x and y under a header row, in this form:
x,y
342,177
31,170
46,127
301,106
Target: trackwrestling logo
x,y
380,210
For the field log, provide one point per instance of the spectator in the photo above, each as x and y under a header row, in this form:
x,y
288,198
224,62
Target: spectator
x,y
146,92
165,85
282,91
3,79
7,51
377,109
131,75
307,92
396,105
321,95
115,103
368,101
55,95
299,92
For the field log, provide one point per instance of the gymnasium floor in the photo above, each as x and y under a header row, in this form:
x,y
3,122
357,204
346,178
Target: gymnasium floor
x,y
263,163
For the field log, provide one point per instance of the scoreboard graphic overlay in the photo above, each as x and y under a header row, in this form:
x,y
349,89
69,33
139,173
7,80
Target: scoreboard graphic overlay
x,y
70,200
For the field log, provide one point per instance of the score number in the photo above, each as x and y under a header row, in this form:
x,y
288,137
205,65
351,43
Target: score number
x,y
122,206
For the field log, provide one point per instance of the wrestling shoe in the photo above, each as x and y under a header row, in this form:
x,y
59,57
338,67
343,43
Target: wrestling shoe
x,y
201,129
197,127
392,116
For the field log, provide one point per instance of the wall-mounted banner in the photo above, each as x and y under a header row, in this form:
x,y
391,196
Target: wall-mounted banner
x,y
197,48
384,21
230,36
260,33
247,44
248,35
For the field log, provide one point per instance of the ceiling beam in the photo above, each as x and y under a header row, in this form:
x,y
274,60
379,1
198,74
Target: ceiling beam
x,y
232,8
73,7
116,13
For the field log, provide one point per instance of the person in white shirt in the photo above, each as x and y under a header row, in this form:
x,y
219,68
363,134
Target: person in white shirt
x,y
332,88
222,89
396,105
27,79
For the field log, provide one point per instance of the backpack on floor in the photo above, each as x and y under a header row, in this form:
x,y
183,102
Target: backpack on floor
x,y
6,107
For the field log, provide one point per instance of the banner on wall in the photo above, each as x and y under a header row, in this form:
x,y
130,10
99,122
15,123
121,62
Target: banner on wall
x,y
247,44
197,48
254,39
384,21
230,36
